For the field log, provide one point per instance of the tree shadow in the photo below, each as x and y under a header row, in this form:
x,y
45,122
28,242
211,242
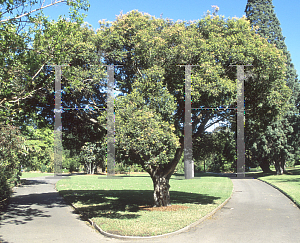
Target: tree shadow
x,y
26,182
198,175
286,180
125,204
181,176
2,241
21,208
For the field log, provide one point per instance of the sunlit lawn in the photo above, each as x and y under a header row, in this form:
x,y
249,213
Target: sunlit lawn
x,y
114,204
34,174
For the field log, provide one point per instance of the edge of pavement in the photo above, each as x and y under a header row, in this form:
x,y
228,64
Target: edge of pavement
x,y
186,228
283,192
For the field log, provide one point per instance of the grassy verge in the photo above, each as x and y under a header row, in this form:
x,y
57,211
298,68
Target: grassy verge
x,y
122,206
288,183
34,174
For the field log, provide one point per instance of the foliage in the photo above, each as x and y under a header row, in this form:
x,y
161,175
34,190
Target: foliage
x,y
92,155
71,163
39,146
12,153
180,166
26,84
152,142
217,149
21,76
150,50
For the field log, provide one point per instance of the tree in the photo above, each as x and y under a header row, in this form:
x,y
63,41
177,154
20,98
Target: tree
x,y
26,83
217,149
25,9
22,73
152,143
92,156
82,82
280,142
149,51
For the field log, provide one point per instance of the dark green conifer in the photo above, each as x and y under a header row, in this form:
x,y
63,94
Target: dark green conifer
x,y
279,143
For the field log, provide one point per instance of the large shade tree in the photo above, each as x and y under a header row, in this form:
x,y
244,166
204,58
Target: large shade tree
x,y
26,83
280,142
22,74
150,50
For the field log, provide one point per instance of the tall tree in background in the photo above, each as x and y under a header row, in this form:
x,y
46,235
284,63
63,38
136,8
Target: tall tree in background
x,y
279,143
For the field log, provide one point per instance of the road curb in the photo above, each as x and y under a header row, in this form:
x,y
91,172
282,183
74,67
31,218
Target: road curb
x,y
283,192
94,225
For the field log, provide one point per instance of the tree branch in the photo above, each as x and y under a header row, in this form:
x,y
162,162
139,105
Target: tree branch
x,y
30,94
38,71
170,167
32,11
139,72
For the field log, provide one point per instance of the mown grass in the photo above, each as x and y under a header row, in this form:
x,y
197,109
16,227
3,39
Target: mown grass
x,y
114,204
34,174
288,183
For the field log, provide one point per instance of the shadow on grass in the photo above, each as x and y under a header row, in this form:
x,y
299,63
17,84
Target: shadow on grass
x,y
291,171
198,175
283,180
124,204
2,241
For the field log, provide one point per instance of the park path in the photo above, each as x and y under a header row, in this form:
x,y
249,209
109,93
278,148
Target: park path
x,y
38,214
256,213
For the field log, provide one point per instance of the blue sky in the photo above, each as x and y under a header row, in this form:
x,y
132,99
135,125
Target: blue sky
x,y
193,10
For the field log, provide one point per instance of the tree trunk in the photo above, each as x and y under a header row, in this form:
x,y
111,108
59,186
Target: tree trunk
x,y
278,167
161,191
265,166
283,167
160,175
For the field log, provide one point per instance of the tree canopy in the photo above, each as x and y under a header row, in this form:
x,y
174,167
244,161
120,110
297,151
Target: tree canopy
x,y
26,82
150,50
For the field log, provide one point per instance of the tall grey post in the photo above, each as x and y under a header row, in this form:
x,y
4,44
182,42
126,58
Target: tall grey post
x,y
188,145
240,121
110,122
57,124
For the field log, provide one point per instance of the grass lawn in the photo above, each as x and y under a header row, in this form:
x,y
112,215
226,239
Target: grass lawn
x,y
289,183
34,174
122,206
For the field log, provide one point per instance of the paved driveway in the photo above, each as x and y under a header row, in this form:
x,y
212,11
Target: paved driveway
x,y
256,213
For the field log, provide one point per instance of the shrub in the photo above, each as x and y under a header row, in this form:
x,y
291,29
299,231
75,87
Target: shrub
x,y
11,157
136,168
180,166
43,168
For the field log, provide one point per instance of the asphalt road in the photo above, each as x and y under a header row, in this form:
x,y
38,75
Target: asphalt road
x,y
256,213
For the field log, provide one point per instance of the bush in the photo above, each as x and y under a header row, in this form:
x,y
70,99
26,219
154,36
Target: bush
x,y
180,166
11,157
43,168
28,169
120,167
74,165
136,168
